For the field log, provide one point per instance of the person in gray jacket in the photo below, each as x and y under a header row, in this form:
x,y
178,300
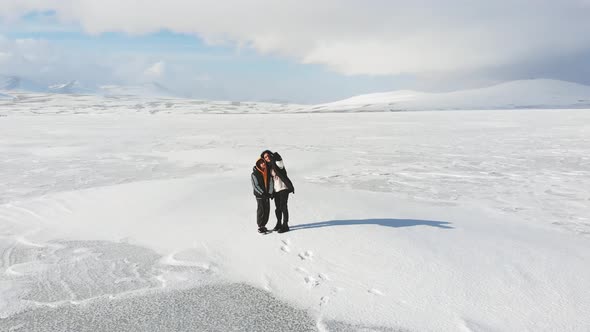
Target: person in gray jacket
x,y
262,185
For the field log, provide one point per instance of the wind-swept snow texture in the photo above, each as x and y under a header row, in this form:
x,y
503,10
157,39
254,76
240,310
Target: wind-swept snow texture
x,y
420,221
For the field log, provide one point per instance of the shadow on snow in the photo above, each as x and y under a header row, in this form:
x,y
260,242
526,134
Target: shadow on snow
x,y
381,222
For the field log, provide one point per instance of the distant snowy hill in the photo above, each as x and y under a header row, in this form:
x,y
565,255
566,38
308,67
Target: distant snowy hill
x,y
72,87
539,93
16,83
5,96
20,84
524,94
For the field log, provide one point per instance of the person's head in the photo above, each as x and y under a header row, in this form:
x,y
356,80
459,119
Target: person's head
x,y
260,164
267,156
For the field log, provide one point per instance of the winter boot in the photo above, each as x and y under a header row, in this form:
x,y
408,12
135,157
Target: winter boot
x,y
285,228
278,227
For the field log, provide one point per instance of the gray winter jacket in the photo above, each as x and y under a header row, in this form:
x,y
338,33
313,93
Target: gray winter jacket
x,y
258,184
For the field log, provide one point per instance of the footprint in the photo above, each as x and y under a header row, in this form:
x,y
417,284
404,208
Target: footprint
x,y
323,276
375,291
311,281
336,290
285,247
324,300
307,255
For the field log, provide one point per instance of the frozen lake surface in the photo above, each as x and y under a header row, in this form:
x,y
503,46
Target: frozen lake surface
x,y
473,221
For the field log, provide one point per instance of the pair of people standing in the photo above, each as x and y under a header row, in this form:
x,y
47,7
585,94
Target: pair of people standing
x,y
270,181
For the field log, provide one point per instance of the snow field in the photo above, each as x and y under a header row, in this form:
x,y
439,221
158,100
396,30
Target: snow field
x,y
418,221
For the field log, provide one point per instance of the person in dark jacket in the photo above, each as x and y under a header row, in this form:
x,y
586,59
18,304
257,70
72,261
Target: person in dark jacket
x,y
262,184
282,187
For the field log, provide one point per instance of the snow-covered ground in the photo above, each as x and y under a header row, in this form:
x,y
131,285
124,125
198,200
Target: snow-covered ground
x,y
426,221
27,103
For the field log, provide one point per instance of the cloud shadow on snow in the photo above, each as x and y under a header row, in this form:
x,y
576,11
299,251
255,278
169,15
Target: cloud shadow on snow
x,y
396,223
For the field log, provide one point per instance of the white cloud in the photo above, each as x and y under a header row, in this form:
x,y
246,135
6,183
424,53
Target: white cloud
x,y
46,63
5,57
352,36
23,55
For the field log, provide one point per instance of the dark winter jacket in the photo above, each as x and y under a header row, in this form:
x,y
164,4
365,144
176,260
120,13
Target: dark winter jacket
x,y
260,190
277,165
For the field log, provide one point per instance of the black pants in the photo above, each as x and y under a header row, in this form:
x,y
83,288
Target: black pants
x,y
281,210
262,212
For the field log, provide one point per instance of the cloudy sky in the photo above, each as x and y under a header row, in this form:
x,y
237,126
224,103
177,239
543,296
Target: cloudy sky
x,y
295,50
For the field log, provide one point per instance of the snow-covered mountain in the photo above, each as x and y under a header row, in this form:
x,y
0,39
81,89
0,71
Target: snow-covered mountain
x,y
537,93
20,84
71,87
17,83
